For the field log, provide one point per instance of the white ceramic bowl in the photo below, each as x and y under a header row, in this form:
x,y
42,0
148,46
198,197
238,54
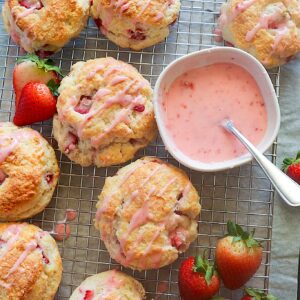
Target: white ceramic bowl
x,y
208,57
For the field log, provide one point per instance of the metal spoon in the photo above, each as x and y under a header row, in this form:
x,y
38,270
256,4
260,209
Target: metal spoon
x,y
288,189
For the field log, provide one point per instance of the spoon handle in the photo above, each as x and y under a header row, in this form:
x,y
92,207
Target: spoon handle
x,y
288,189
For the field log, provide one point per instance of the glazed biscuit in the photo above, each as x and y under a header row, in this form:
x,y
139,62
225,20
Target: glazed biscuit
x,y
28,172
267,29
109,285
147,213
44,27
135,24
30,264
105,113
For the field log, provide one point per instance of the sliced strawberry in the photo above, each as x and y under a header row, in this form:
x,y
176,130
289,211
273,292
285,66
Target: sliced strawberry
x,y
31,68
138,34
84,105
72,141
49,177
36,104
88,295
2,176
44,257
98,22
139,108
37,4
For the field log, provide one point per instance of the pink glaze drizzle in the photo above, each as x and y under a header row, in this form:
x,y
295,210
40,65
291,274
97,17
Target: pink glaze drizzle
x,y
94,72
155,236
145,181
15,137
106,200
158,16
227,17
29,248
140,217
118,79
7,150
264,23
162,191
144,5
12,233
121,117
120,98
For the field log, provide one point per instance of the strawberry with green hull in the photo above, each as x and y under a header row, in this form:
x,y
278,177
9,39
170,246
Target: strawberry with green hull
x,y
36,83
255,294
238,256
291,166
197,280
31,68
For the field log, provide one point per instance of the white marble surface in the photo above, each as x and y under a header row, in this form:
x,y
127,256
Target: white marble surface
x,y
286,233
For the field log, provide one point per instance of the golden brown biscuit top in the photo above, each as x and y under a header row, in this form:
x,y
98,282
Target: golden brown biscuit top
x,y
27,254
149,207
267,28
24,156
53,21
151,11
100,94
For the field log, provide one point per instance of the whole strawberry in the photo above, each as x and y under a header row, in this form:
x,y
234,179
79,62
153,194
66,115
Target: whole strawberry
x,y
197,279
255,294
36,103
238,256
291,167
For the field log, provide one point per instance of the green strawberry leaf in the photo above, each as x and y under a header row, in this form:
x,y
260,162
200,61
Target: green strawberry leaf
x,y
259,294
238,234
202,265
53,86
290,161
209,274
231,228
217,298
45,64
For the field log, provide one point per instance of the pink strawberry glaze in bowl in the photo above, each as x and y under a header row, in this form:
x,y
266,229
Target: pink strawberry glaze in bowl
x,y
206,58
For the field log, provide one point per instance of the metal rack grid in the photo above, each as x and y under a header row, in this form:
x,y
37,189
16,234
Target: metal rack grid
x,y
242,194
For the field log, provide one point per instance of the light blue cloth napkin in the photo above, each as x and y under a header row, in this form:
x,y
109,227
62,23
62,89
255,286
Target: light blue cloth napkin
x,y
286,222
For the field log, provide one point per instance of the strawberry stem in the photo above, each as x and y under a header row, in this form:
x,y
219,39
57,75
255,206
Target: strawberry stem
x,y
202,265
238,234
46,64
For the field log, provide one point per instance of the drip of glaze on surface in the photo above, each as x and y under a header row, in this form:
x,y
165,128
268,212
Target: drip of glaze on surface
x,y
62,229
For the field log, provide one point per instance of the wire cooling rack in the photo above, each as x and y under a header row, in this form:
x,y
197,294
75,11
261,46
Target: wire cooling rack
x,y
243,194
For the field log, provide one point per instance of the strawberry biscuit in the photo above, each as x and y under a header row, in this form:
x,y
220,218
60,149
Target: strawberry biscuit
x,y
147,214
28,172
135,24
44,27
30,264
109,285
105,113
267,29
